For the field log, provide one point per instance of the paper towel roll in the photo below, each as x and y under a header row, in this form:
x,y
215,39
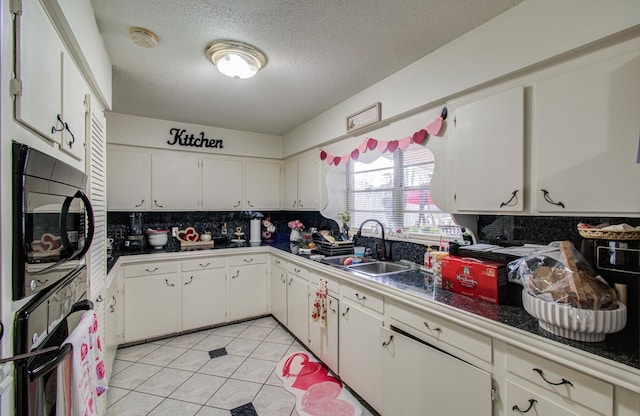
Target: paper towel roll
x,y
255,231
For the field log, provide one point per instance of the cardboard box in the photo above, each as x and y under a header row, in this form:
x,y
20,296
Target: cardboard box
x,y
482,279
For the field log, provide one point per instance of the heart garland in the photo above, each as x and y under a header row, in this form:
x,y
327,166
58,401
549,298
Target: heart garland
x,y
434,128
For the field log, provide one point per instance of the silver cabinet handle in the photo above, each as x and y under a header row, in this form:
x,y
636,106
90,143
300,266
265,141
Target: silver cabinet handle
x,y
237,205
99,299
515,407
204,265
300,204
155,201
282,278
248,260
140,204
250,204
290,280
344,314
295,269
169,284
361,298
236,275
155,269
190,280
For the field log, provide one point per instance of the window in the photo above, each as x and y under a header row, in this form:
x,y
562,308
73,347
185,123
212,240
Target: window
x,y
394,189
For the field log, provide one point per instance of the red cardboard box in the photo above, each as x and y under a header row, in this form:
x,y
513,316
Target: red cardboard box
x,y
482,279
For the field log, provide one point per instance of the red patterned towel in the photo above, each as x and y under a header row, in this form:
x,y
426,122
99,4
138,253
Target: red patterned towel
x,y
320,304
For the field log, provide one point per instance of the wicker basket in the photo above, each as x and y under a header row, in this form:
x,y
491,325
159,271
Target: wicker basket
x,y
597,234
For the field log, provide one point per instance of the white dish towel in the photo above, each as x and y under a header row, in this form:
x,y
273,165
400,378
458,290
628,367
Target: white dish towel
x,y
85,380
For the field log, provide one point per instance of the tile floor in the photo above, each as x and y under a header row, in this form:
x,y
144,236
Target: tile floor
x,y
229,370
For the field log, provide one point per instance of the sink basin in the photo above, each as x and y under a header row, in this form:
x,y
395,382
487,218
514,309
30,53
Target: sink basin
x,y
379,268
339,260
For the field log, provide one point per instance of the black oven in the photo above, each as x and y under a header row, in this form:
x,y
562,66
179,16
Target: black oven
x,y
52,220
40,329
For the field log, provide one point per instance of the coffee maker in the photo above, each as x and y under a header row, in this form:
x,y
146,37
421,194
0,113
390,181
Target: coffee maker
x,y
618,262
135,239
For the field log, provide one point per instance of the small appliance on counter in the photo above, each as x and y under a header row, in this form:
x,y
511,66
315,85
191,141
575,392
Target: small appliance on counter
x,y
135,240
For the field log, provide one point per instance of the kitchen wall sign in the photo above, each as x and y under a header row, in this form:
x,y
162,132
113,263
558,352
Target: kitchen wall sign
x,y
180,137
364,117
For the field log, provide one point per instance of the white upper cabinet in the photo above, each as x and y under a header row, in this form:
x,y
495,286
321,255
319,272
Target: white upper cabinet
x,y
175,182
128,180
50,93
221,184
261,184
486,153
586,138
300,182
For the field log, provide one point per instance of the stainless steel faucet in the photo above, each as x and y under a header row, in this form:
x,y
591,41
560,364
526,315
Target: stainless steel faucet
x,y
383,250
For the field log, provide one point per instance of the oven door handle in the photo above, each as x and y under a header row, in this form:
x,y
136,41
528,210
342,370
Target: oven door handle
x,y
63,225
51,364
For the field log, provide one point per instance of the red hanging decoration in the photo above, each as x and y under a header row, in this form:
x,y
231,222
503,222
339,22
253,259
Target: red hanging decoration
x,y
369,143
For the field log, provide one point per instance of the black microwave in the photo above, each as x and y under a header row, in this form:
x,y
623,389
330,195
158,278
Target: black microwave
x,y
53,222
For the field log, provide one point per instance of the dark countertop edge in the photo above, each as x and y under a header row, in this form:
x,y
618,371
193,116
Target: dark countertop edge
x,y
613,348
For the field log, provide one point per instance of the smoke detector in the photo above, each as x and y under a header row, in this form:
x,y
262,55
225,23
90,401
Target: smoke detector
x,y
143,37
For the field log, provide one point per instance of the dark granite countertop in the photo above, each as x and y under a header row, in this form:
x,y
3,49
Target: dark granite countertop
x,y
622,347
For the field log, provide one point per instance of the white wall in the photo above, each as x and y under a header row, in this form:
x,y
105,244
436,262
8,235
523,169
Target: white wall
x,y
528,34
148,132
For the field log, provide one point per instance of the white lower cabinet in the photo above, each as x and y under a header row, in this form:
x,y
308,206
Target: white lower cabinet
x,y
298,301
247,286
323,340
420,379
358,350
572,391
203,298
152,305
113,328
278,283
522,401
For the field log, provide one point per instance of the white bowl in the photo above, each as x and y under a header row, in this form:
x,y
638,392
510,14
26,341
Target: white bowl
x,y
574,323
157,240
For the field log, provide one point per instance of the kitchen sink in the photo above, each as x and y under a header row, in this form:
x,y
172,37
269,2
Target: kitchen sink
x,y
339,260
379,268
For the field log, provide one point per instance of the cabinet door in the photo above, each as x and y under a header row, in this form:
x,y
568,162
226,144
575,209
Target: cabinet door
x,y
487,147
262,185
175,182
416,376
359,353
297,307
279,294
221,184
587,123
112,325
204,300
247,291
307,183
152,306
128,180
290,184
323,341
39,68
519,399
74,109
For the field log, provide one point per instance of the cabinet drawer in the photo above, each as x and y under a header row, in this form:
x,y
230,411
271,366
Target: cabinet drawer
x,y
149,269
436,330
203,264
572,385
333,286
298,270
363,297
247,259
277,261
519,399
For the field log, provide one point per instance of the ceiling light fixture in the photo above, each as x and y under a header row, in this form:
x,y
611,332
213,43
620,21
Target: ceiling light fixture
x,y
236,59
143,37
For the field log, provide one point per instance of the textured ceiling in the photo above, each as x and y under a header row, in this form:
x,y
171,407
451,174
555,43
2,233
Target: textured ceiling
x,y
320,53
